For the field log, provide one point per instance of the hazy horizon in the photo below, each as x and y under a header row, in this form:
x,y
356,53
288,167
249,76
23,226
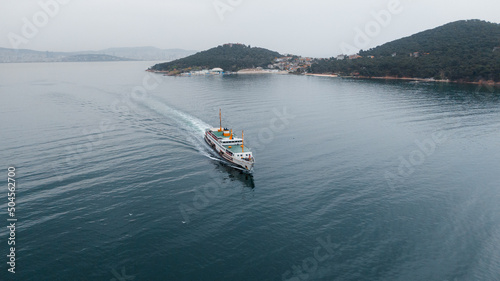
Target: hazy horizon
x,y
316,29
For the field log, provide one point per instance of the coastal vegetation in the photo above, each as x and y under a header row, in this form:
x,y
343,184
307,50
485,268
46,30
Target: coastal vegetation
x,y
230,57
463,51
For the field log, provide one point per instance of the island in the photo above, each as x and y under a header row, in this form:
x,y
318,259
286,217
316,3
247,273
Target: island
x,y
234,58
466,51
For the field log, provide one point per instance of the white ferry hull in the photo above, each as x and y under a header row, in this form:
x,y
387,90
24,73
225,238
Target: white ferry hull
x,y
226,154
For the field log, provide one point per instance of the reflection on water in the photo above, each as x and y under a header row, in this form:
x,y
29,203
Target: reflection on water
x,y
236,174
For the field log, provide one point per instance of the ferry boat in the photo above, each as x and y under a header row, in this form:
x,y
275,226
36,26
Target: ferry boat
x,y
229,147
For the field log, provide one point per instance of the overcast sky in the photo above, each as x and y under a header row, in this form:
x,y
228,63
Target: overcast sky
x,y
319,28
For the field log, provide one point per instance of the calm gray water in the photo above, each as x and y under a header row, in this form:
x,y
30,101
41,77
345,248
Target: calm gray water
x,y
354,180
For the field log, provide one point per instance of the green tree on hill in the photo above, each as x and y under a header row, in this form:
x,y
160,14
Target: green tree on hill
x,y
459,51
230,57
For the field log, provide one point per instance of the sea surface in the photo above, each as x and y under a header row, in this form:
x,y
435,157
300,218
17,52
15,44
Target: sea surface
x,y
354,179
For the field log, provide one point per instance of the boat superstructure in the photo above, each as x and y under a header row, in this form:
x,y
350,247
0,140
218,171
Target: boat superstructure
x,y
229,146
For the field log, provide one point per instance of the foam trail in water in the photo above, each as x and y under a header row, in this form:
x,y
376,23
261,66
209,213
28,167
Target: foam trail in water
x,y
195,127
181,117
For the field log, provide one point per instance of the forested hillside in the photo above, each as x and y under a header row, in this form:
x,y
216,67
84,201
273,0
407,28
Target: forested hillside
x,y
466,51
230,57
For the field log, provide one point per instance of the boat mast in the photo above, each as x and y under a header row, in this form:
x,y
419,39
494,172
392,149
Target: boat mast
x,y
242,144
220,120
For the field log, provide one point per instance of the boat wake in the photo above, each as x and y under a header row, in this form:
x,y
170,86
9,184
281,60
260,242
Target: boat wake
x,y
193,128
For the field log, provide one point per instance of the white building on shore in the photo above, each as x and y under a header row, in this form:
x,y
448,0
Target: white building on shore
x,y
216,70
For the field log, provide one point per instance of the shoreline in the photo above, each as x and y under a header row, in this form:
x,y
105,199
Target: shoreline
x,y
259,71
321,75
282,72
404,78
484,82
242,71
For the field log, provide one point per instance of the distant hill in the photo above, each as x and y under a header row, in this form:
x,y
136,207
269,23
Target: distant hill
x,y
230,57
25,55
467,51
112,54
146,53
90,58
